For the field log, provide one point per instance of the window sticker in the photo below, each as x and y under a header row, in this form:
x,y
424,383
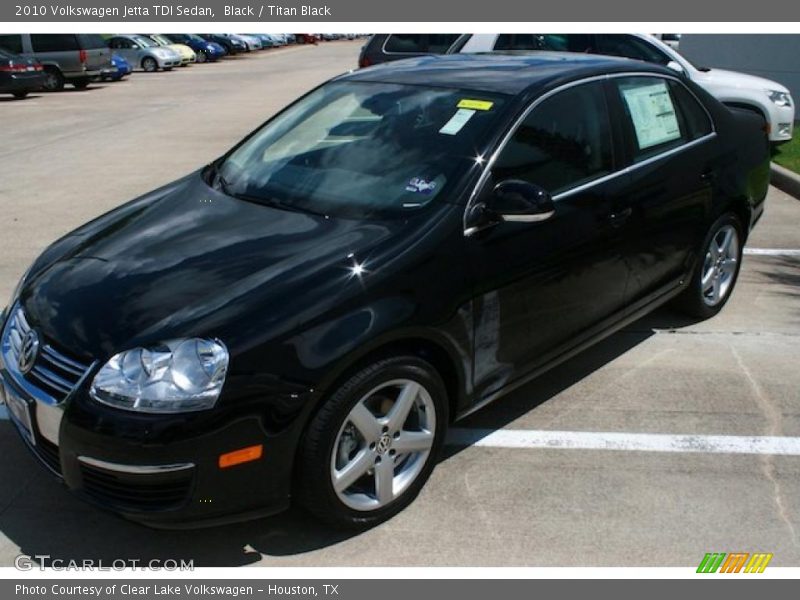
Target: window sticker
x,y
457,121
653,114
475,104
420,185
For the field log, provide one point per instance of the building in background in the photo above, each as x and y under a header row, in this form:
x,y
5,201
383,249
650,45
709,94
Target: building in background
x,y
773,56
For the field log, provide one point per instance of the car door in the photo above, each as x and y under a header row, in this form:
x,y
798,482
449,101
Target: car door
x,y
542,287
669,135
127,49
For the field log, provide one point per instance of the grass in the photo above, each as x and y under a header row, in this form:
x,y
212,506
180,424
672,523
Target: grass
x,y
788,154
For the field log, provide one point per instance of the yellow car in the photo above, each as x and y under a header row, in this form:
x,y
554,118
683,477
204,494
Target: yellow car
x,y
186,53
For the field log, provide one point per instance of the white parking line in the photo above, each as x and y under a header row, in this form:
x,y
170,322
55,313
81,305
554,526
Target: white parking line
x,y
772,251
636,442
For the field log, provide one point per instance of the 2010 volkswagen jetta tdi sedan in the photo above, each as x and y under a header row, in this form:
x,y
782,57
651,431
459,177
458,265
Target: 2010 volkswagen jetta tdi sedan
x,y
303,318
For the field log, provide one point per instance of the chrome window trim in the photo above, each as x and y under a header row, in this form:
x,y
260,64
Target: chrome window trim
x,y
135,469
468,231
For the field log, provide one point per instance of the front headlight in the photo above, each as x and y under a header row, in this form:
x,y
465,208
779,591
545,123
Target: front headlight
x,y
780,98
173,377
210,48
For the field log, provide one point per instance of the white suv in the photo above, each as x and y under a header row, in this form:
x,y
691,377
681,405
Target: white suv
x,y
769,98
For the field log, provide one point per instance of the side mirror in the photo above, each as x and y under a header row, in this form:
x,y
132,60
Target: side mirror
x,y
675,66
518,201
514,201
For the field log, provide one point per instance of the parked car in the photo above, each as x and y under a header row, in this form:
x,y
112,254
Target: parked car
x,y
205,50
144,53
19,75
232,46
268,41
769,99
398,248
77,59
119,69
251,42
187,55
384,47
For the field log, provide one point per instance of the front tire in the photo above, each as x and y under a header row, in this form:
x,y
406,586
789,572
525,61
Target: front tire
x,y
201,56
20,95
149,64
372,446
53,80
717,270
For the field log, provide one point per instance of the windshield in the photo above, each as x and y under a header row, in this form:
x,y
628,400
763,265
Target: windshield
x,y
144,42
362,150
161,40
194,37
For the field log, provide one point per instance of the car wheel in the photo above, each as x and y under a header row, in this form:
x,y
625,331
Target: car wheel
x,y
80,84
373,444
20,95
53,80
717,270
201,57
149,64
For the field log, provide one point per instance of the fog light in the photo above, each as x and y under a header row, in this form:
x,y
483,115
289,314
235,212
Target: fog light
x,y
785,129
238,457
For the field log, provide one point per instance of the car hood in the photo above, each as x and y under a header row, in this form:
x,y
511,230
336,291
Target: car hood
x,y
734,79
191,261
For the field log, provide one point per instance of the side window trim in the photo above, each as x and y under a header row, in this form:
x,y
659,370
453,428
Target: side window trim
x,y
620,169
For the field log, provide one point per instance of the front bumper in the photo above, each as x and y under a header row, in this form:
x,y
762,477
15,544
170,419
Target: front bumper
x,y
781,123
161,470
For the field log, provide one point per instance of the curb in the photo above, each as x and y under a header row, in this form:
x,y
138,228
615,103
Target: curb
x,y
785,180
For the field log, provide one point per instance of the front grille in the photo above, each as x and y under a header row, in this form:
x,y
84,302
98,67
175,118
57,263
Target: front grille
x,y
137,492
55,373
49,454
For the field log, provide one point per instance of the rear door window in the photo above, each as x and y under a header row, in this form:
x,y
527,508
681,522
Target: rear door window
x,y
629,46
661,115
410,43
557,42
564,142
54,42
12,43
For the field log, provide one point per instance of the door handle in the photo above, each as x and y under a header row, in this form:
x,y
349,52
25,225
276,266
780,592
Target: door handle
x,y
618,217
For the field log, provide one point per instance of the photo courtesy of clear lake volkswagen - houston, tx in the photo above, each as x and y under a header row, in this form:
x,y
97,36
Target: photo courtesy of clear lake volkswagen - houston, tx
x,y
302,319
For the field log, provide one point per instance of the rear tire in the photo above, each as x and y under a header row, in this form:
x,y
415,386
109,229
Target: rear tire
x,y
80,84
373,444
717,270
20,95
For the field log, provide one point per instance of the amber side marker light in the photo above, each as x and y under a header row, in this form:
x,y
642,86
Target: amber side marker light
x,y
237,457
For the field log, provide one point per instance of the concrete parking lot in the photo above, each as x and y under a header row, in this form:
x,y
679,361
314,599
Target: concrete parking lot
x,y
651,449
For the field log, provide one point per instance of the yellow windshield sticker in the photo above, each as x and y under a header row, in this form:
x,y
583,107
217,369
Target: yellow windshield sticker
x,y
475,104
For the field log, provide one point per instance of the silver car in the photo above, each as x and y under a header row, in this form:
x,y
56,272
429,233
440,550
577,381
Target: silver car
x,y
144,53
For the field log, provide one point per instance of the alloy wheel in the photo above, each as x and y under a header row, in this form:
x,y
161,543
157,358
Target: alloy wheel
x,y
383,444
719,266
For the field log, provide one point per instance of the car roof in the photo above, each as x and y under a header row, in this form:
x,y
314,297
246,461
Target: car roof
x,y
500,72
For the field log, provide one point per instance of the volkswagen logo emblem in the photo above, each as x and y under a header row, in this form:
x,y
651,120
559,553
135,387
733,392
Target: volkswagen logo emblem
x,y
28,352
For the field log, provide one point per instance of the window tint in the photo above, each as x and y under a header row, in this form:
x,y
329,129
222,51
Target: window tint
x,y
12,43
693,114
408,43
92,41
558,42
562,143
54,42
404,43
438,43
630,46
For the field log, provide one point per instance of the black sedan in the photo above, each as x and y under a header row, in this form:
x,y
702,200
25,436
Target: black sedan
x,y
19,75
303,318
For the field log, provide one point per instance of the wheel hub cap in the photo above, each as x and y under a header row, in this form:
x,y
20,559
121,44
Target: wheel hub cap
x,y
384,443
